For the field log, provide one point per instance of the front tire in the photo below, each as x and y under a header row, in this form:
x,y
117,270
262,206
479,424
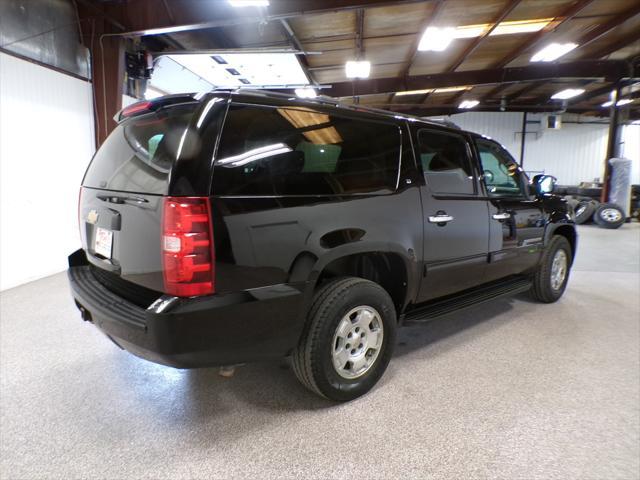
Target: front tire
x,y
348,340
550,280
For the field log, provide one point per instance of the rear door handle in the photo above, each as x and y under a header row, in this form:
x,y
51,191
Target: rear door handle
x,y
440,218
501,216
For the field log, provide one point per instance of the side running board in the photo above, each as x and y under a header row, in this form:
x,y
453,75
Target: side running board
x,y
467,299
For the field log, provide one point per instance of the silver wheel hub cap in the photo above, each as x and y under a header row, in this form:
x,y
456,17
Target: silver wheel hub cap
x,y
357,342
610,215
559,269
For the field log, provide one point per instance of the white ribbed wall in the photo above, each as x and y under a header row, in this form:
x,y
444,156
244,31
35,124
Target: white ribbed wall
x,y
573,154
502,127
46,142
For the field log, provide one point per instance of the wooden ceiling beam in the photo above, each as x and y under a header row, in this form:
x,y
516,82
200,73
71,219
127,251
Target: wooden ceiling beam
x,y
414,46
538,37
609,69
614,47
606,27
493,92
511,4
192,17
292,38
527,89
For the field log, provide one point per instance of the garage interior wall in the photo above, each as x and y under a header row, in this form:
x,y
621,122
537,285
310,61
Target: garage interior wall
x,y
573,154
46,142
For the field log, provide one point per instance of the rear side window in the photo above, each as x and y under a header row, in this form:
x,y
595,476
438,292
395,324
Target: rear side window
x,y
139,153
445,162
298,151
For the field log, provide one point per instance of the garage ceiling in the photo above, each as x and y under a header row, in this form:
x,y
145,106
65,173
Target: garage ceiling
x,y
495,68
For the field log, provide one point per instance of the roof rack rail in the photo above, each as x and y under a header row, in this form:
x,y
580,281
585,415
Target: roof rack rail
x,y
326,100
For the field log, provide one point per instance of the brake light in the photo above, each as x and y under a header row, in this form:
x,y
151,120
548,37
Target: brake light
x,y
134,109
187,247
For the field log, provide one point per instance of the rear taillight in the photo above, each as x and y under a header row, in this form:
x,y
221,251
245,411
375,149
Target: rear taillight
x,y
187,247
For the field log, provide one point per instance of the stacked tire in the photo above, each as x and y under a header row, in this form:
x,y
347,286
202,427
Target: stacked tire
x,y
609,215
605,215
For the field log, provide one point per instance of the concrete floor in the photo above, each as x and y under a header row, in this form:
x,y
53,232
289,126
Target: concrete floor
x,y
511,390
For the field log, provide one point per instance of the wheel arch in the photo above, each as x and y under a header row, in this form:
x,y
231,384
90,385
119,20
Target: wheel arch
x,y
569,232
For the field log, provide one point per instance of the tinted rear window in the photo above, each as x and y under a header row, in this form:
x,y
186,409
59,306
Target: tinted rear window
x,y
298,151
139,154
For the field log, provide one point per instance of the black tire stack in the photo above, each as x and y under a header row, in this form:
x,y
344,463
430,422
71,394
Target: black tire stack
x,y
587,207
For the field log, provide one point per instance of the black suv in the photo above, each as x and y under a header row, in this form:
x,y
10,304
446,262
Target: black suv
x,y
234,227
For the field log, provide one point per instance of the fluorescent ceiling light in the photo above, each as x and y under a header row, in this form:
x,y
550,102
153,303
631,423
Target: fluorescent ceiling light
x,y
249,3
451,89
568,93
436,39
521,26
357,69
619,103
466,104
553,51
414,92
504,28
306,93
434,90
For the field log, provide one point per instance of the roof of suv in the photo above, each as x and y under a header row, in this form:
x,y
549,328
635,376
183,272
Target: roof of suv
x,y
245,94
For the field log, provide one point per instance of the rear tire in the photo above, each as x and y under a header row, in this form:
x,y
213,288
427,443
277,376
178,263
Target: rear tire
x,y
609,215
550,280
348,340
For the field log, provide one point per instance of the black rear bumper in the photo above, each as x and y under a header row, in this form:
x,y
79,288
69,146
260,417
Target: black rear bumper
x,y
194,332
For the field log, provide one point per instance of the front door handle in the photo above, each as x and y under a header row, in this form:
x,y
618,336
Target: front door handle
x,y
440,218
501,216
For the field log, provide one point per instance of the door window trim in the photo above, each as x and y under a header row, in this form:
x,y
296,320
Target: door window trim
x,y
524,191
470,158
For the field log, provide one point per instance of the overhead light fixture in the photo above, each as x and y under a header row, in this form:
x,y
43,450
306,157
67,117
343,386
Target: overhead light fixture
x,y
467,104
521,26
249,3
451,89
503,28
436,39
553,51
415,92
567,93
357,69
619,103
306,92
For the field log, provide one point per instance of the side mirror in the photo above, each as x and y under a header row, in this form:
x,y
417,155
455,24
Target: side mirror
x,y
541,184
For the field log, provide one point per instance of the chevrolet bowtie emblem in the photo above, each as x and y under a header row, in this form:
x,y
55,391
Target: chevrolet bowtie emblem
x,y
92,217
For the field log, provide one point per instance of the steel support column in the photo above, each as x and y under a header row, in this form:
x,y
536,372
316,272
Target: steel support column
x,y
613,143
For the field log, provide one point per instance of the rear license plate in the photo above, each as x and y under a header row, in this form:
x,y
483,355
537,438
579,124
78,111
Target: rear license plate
x,y
104,242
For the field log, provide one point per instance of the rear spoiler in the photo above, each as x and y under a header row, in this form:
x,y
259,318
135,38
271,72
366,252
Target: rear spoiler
x,y
146,106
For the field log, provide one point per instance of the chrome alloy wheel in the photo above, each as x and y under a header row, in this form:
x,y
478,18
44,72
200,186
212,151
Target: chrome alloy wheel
x,y
559,269
610,215
357,342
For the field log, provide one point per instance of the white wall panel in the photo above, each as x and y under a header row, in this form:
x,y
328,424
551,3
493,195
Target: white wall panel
x,y
46,142
573,154
501,126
